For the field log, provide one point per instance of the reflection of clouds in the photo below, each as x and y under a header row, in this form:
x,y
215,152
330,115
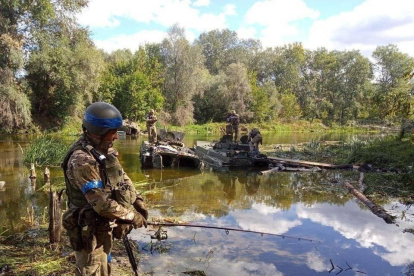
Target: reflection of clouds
x,y
316,262
259,220
242,268
265,209
360,225
212,252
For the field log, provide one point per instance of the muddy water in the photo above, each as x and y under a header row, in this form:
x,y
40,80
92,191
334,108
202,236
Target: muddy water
x,y
299,205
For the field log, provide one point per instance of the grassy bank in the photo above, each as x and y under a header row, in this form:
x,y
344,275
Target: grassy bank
x,y
73,127
279,126
392,162
29,253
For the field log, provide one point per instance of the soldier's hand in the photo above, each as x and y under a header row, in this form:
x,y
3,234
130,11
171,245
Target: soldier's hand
x,y
138,221
139,205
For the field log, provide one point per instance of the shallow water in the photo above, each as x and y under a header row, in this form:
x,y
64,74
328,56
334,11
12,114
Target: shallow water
x,y
294,204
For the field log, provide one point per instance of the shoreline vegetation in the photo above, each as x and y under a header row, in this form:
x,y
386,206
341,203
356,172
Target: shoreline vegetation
x,y
73,127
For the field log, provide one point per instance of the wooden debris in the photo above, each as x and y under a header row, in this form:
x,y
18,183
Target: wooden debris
x,y
269,171
309,164
46,175
32,171
55,216
375,209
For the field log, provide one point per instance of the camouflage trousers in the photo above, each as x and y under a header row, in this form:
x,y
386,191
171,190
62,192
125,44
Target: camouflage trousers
x,y
235,132
254,143
95,263
152,134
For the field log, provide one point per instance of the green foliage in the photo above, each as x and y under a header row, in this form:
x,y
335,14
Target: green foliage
x,y
290,107
187,82
183,73
63,74
132,83
393,86
261,103
388,152
46,151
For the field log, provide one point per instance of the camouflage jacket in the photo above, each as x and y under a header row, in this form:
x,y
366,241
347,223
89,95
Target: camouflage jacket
x,y
85,176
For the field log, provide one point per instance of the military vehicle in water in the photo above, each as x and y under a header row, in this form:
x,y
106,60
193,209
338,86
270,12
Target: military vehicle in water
x,y
225,153
169,151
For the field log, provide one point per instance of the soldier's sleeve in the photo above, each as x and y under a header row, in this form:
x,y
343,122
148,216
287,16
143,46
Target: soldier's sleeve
x,y
86,176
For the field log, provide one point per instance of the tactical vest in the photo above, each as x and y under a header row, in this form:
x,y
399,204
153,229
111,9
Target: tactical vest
x,y
110,171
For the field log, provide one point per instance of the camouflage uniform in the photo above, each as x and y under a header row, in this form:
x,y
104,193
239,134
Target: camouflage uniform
x,y
151,129
234,120
97,197
255,139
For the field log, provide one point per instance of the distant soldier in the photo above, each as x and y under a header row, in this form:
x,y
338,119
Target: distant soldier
x,y
255,138
234,121
151,129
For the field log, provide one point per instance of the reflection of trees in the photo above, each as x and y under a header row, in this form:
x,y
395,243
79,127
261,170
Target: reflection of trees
x,y
218,193
409,270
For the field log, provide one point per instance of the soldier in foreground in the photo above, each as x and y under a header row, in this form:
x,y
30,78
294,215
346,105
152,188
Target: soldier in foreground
x,y
234,120
151,129
255,138
103,203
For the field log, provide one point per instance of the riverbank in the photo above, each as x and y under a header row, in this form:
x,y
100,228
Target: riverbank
x,y
30,253
388,162
73,127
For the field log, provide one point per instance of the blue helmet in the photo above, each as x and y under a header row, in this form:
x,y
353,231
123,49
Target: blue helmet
x,y
100,117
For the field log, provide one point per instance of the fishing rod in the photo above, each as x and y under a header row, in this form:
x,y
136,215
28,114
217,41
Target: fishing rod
x,y
227,229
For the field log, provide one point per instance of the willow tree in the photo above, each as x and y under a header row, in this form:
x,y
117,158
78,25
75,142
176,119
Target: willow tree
x,y
183,73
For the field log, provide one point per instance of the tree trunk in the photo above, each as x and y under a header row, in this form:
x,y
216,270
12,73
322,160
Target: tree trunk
x,y
375,209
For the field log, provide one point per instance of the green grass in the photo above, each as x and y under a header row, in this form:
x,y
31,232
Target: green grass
x,y
46,150
276,126
384,154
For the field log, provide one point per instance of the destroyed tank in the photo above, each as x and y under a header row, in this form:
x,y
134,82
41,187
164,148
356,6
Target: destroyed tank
x,y
225,153
169,151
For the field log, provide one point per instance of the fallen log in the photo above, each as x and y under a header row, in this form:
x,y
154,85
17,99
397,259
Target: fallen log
x,y
309,164
269,171
375,209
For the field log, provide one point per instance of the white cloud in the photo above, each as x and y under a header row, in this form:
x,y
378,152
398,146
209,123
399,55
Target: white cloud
x,y
201,3
246,33
278,19
107,13
373,23
131,42
360,226
230,9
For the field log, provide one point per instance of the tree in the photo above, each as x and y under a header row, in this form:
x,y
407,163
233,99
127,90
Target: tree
x,y
133,83
223,47
63,73
183,73
393,87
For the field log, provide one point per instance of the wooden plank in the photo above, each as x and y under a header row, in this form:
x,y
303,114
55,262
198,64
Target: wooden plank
x,y
309,164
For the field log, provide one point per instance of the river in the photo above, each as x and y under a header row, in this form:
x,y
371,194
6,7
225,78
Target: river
x,y
307,205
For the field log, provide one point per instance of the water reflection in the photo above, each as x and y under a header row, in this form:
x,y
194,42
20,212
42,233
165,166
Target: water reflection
x,y
305,205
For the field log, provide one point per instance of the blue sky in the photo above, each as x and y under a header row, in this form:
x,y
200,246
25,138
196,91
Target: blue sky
x,y
334,24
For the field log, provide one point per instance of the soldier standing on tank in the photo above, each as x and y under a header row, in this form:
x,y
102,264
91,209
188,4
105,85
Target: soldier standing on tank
x,y
255,138
103,203
234,120
151,129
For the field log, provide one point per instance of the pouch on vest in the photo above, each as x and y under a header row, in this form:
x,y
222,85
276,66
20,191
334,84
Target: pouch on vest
x,y
124,195
87,224
70,223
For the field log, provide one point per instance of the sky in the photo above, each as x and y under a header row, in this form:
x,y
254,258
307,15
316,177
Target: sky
x,y
334,24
